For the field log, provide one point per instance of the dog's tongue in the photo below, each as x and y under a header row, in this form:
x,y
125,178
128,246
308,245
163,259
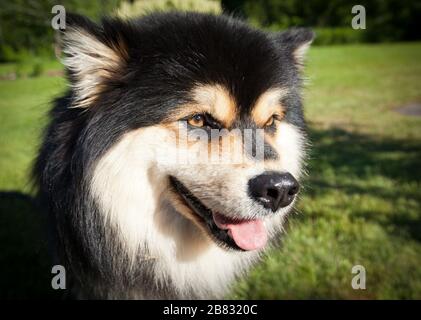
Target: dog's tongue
x,y
247,234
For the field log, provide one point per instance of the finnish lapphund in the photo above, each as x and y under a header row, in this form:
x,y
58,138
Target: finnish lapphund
x,y
170,164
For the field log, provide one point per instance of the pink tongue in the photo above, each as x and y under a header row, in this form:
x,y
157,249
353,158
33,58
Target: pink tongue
x,y
248,235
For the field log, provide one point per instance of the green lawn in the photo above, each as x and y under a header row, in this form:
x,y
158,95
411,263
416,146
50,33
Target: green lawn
x,y
361,203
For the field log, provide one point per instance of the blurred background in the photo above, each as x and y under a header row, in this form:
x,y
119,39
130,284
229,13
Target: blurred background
x,y
361,203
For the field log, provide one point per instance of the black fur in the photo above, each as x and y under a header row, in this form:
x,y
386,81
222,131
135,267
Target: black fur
x,y
168,53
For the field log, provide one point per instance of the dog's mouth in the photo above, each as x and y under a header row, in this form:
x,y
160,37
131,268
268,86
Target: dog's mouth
x,y
236,234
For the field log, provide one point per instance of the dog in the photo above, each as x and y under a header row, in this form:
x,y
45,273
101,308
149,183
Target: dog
x,y
136,211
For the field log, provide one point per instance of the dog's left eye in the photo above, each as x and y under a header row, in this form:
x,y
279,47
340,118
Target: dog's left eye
x,y
200,120
270,121
197,120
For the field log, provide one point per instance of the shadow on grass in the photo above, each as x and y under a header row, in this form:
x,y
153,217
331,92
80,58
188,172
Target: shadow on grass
x,y
355,159
25,267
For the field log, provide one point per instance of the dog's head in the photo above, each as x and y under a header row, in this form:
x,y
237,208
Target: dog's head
x,y
200,110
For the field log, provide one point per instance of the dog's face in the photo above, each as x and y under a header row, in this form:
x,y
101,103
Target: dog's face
x,y
198,110
232,171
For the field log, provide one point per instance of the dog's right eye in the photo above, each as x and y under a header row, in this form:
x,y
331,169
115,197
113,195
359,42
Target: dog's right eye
x,y
203,120
197,120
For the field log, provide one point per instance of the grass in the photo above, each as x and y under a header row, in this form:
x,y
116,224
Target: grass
x,y
34,67
361,204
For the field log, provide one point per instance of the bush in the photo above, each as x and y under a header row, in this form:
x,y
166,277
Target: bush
x,y
327,36
140,7
387,20
37,70
19,70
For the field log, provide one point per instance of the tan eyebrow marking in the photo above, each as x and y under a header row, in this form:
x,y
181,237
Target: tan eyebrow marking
x,y
213,99
186,110
267,105
218,101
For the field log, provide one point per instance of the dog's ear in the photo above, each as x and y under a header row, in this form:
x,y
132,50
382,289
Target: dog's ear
x,y
295,41
92,55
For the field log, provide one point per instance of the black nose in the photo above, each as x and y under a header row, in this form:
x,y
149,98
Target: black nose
x,y
273,190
